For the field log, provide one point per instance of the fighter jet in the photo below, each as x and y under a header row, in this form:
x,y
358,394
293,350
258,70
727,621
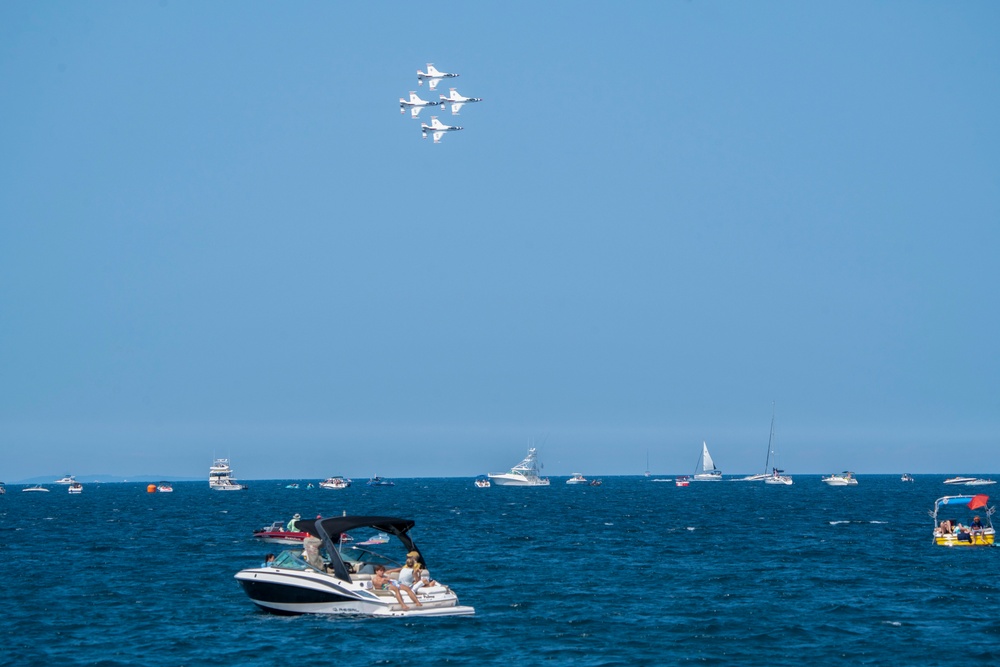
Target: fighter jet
x,y
457,100
433,76
415,104
437,129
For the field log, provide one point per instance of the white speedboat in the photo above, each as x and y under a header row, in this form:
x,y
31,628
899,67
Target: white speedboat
x,y
75,487
907,477
482,482
577,478
220,477
959,480
980,482
843,479
336,578
67,479
35,489
164,487
709,473
683,480
335,483
524,473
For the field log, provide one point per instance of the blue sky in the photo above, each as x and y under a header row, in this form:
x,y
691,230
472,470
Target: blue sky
x,y
218,236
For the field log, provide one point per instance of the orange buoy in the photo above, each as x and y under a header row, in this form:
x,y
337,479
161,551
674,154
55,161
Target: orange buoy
x,y
151,488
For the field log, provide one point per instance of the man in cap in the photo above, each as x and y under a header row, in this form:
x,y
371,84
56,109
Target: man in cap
x,y
292,526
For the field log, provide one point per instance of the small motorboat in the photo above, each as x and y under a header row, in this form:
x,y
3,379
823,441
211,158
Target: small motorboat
x,y
980,482
75,487
276,534
293,485
843,479
335,483
482,482
907,477
34,489
959,480
379,481
683,480
596,482
164,487
577,478
330,577
949,532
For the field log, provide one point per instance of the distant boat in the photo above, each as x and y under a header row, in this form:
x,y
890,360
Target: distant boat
x,y
907,477
843,479
36,489
777,477
767,476
683,480
3,488
709,473
379,481
647,463
293,485
336,483
75,487
959,480
953,534
220,477
482,482
980,482
164,487
524,473
577,478
67,479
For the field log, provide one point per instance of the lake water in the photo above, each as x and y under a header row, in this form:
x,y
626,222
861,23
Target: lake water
x,y
633,572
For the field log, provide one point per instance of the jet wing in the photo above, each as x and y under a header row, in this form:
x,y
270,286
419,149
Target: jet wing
x,y
437,136
433,83
456,107
415,112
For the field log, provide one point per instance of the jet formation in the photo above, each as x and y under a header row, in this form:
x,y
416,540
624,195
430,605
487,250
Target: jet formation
x,y
416,104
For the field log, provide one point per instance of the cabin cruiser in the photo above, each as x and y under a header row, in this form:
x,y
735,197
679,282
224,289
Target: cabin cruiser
x,y
75,487
67,479
843,479
335,483
220,477
331,576
524,473
577,478
949,531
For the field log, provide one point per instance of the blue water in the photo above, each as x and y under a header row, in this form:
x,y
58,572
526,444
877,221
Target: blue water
x,y
629,573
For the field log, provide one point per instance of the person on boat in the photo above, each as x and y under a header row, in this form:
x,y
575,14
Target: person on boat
x,y
310,553
268,561
292,526
382,582
976,524
425,580
946,527
408,573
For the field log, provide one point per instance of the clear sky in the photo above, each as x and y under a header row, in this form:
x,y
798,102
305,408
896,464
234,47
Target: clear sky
x,y
218,236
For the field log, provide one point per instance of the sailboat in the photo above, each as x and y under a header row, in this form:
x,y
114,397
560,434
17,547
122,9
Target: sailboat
x,y
647,463
771,475
709,473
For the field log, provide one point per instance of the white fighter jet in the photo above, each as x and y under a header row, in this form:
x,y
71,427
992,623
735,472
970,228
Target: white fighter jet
x,y
433,76
415,104
457,100
437,129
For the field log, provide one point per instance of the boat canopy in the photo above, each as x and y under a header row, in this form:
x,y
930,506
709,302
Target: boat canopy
x,y
329,530
972,502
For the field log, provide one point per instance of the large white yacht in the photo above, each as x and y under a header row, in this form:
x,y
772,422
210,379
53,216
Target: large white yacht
x,y
67,479
220,477
333,575
524,473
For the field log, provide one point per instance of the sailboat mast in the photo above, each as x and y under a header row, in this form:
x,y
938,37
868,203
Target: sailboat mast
x,y
770,438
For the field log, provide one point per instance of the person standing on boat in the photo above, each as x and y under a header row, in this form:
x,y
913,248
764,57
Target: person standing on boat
x,y
292,526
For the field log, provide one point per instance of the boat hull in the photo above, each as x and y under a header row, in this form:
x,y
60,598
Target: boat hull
x,y
707,477
293,592
517,480
984,539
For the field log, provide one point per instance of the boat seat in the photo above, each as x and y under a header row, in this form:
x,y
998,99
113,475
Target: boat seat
x,y
361,577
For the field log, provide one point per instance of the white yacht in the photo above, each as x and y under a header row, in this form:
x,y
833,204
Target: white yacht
x,y
336,483
330,576
843,479
577,478
67,479
220,477
708,473
76,487
524,473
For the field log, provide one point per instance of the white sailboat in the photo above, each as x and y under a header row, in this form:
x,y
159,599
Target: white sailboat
x,y
709,473
776,475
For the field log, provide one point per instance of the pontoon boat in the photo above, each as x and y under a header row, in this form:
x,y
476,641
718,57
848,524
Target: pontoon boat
x,y
948,528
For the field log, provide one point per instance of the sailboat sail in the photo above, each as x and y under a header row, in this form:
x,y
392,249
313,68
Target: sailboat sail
x,y
708,470
707,464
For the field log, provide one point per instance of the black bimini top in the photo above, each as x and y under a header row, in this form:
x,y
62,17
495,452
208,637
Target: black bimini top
x,y
329,530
